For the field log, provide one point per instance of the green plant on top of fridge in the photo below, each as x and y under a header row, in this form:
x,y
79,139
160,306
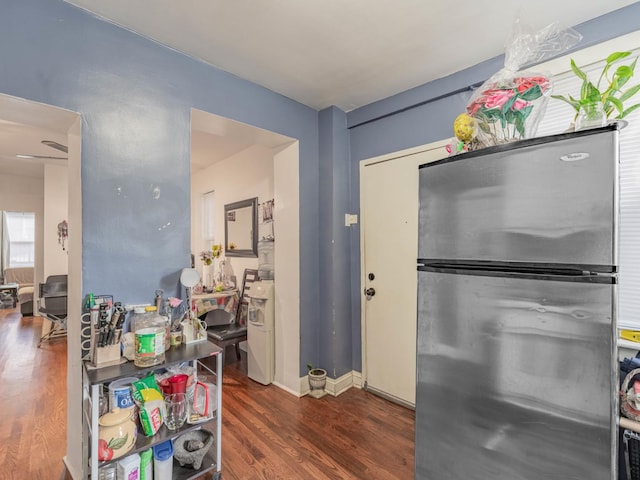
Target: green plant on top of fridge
x,y
610,90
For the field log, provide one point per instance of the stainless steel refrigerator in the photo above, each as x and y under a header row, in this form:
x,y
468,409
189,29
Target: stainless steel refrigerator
x,y
516,366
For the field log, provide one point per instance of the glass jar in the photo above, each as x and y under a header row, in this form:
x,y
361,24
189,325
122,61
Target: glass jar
x,y
591,115
150,330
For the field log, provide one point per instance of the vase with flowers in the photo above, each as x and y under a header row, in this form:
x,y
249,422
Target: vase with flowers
x,y
208,258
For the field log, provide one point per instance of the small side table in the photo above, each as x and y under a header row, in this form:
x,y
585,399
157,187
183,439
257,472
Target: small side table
x,y
12,288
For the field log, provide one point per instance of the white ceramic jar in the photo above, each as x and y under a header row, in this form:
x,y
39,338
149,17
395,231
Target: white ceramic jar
x,y
117,434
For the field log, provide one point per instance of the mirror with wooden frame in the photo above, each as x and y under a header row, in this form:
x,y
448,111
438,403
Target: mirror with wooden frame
x,y
241,228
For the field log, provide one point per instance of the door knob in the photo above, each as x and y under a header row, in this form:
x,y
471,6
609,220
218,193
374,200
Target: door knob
x,y
369,292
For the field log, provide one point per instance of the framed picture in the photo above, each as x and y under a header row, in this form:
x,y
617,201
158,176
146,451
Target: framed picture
x,y
267,211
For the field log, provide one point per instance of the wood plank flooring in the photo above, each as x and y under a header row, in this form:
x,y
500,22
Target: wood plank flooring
x,y
32,400
267,433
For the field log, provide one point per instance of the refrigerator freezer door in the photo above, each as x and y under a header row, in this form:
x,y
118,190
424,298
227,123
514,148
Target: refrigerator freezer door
x,y
515,379
553,202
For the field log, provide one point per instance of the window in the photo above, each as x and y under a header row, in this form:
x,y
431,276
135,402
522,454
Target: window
x,y
208,230
556,120
20,238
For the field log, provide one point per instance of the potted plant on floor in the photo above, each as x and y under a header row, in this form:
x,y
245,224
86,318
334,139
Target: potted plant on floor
x,y
317,380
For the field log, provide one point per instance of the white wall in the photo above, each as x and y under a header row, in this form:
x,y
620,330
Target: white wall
x,y
56,209
287,271
242,176
77,449
26,194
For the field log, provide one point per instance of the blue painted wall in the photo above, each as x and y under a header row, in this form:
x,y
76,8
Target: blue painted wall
x,y
426,113
135,98
335,323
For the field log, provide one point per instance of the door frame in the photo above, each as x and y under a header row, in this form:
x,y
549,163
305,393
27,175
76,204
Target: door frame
x,y
441,144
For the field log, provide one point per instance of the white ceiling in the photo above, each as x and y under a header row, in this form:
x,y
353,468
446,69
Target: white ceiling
x,y
337,52
325,53
215,138
23,126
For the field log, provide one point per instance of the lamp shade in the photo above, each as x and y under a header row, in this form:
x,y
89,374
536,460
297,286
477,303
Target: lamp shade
x,y
189,277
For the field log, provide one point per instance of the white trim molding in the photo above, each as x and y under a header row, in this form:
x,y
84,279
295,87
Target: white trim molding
x,y
335,386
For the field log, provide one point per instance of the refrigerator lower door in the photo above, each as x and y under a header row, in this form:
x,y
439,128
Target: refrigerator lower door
x,y
515,379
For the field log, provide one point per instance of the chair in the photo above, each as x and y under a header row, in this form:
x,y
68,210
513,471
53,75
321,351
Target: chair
x,y
236,330
52,304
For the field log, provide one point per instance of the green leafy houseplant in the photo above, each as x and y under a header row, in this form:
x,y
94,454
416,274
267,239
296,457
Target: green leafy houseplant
x,y
608,90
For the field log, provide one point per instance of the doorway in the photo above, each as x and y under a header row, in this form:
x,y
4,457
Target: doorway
x,y
23,127
389,203
237,161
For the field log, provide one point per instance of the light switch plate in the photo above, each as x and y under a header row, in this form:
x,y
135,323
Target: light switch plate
x,y
350,219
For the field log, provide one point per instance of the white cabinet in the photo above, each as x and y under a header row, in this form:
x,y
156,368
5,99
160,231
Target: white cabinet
x,y
94,379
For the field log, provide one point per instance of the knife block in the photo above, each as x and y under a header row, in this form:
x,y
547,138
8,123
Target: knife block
x,y
107,355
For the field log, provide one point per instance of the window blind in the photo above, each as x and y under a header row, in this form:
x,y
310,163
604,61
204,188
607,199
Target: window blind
x,y
21,234
557,119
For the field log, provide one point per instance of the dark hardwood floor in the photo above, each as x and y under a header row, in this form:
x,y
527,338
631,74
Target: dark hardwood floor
x,y
267,433
32,400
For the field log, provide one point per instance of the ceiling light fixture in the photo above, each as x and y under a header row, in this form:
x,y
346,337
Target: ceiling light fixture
x,y
56,145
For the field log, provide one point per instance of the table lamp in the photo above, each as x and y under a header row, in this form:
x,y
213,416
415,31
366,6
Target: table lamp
x,y
192,328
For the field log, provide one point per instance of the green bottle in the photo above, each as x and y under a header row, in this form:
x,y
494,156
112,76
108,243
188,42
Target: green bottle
x,y
146,465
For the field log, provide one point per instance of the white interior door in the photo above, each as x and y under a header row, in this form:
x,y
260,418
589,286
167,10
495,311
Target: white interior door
x,y
389,216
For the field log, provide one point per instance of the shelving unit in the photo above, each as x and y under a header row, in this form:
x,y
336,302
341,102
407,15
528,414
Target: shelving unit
x,y
93,379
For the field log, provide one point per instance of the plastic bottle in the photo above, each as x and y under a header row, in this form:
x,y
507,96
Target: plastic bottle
x,y
146,465
167,332
163,461
149,330
129,468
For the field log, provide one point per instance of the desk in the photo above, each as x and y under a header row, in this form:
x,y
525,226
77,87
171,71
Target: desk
x,y
205,302
12,288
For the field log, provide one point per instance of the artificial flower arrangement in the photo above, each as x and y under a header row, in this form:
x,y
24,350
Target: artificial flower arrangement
x,y
208,256
509,105
510,108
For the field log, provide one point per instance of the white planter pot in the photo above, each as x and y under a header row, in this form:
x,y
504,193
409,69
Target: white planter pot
x,y
317,381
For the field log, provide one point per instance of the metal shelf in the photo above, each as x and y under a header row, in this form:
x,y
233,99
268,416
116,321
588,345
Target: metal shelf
x,y
188,473
95,378
183,353
145,443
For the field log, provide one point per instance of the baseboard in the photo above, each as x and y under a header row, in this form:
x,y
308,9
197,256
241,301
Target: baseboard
x,y
357,379
70,471
335,386
291,391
